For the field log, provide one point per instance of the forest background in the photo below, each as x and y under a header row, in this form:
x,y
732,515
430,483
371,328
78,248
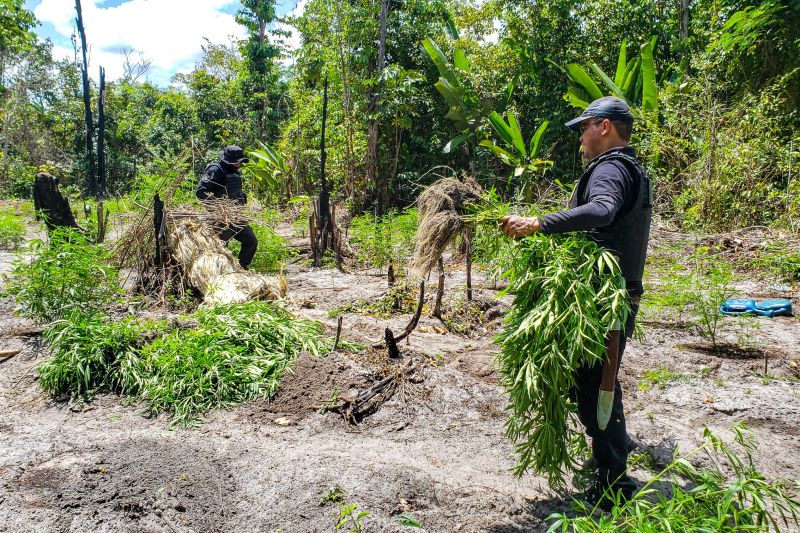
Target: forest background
x,y
721,143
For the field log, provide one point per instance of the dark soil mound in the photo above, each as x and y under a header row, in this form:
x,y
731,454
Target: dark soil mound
x,y
311,383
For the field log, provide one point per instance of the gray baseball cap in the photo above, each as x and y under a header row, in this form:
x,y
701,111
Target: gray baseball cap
x,y
606,107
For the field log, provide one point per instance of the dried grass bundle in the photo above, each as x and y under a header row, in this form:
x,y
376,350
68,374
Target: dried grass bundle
x,y
208,266
442,208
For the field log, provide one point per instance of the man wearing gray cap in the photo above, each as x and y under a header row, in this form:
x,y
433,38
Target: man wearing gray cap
x,y
611,203
222,179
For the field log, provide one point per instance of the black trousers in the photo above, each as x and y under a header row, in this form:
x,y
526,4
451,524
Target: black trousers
x,y
246,236
609,446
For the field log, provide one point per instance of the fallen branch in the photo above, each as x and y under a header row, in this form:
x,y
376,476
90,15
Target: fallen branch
x,y
354,410
5,354
414,319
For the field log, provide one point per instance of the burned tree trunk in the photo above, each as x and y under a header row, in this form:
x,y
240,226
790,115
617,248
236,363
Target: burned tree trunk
x,y
321,226
50,204
87,105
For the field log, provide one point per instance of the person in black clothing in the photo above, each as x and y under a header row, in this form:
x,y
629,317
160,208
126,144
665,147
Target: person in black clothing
x,y
611,203
222,179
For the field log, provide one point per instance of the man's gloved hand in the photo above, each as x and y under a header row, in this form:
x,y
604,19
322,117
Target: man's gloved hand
x,y
518,227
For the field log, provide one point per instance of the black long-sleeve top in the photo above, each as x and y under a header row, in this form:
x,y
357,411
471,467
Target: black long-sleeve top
x,y
610,187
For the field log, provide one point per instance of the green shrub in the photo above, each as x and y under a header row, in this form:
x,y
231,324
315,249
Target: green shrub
x,y
385,240
273,250
730,495
721,166
69,272
778,262
16,177
12,231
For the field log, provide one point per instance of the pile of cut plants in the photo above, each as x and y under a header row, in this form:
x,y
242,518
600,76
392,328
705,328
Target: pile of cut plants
x,y
218,357
184,366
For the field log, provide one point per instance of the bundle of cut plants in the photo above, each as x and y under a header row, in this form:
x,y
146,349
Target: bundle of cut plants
x,y
442,218
568,292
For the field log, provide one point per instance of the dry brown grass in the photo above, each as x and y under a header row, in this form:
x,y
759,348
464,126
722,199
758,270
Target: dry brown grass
x,y
442,207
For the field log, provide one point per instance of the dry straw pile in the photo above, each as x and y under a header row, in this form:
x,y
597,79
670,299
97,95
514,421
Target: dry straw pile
x,y
442,208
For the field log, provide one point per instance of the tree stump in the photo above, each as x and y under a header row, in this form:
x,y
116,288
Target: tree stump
x,y
50,204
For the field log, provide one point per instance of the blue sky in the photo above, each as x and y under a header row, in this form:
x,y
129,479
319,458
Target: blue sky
x,y
170,33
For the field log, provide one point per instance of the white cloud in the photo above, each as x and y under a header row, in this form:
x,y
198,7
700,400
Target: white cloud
x,y
170,33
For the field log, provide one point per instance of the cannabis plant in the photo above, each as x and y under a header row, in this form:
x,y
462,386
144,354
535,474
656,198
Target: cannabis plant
x,y
70,272
568,294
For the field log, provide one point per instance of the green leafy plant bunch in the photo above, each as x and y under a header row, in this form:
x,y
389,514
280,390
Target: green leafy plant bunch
x,y
568,294
221,356
69,272
731,495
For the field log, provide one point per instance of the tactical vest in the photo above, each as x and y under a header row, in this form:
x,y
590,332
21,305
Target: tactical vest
x,y
629,232
230,186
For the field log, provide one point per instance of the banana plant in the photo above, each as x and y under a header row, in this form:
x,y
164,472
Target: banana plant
x,y
634,81
466,111
269,167
522,157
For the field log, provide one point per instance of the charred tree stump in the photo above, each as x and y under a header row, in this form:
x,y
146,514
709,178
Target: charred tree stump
x,y
391,344
160,233
412,325
50,204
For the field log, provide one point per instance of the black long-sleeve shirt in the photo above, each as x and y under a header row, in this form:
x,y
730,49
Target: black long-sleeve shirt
x,y
610,187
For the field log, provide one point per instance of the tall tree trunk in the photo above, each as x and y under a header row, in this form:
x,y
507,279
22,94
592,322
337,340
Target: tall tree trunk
x,y
684,29
322,238
374,177
87,106
101,134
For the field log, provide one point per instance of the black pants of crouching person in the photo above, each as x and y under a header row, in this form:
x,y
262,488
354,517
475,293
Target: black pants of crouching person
x,y
246,236
610,447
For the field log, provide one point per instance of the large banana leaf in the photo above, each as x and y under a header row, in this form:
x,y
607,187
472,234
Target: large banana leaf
x,y
504,155
455,143
450,95
582,78
460,60
516,134
438,58
575,96
266,176
631,71
503,130
649,86
536,140
622,63
608,81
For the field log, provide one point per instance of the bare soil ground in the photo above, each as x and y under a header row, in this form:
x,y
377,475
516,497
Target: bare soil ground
x,y
435,449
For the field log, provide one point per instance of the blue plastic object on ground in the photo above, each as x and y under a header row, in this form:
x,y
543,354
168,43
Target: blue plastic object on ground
x,y
738,306
774,307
